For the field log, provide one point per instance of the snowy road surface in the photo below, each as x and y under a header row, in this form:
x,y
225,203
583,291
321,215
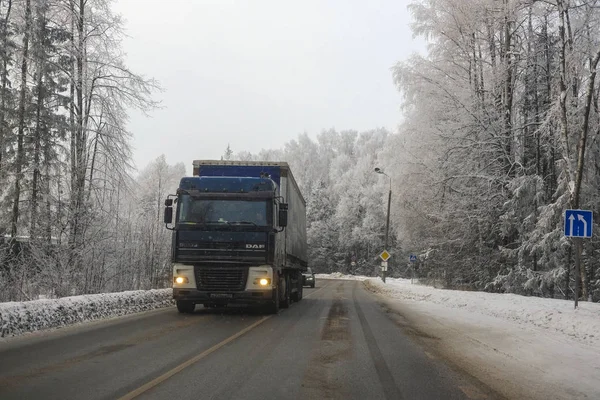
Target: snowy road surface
x,y
338,343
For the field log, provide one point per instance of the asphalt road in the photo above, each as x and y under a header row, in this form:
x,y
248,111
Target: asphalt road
x,y
337,343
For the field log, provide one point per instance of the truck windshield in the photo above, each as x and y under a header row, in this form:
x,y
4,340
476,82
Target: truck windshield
x,y
202,211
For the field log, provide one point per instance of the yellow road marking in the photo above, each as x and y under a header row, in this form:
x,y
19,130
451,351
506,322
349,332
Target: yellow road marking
x,y
142,389
181,367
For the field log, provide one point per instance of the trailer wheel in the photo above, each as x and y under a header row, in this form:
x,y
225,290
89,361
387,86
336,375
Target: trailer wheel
x,y
297,296
185,307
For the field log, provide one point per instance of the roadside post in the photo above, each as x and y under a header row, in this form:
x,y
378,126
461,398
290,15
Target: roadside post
x,y
387,226
578,225
385,256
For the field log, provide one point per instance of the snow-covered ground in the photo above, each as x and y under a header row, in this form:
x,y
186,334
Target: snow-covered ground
x,y
524,347
29,316
339,275
559,316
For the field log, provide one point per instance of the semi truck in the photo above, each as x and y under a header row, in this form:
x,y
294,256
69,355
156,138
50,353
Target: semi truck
x,y
239,236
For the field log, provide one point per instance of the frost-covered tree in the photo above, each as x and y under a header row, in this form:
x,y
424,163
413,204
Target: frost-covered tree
x,y
228,153
496,143
155,182
64,147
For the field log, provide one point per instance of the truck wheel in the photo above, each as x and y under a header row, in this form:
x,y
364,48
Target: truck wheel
x,y
273,308
185,307
287,299
312,285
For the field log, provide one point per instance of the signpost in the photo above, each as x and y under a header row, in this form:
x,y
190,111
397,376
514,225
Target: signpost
x,y
413,259
385,256
578,225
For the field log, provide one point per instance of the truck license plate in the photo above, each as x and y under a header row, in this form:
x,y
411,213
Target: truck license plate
x,y
221,295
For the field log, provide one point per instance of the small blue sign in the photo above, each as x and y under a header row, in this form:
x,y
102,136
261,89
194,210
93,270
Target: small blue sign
x,y
412,258
578,223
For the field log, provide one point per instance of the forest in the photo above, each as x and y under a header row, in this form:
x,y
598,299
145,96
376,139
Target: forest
x,y
498,134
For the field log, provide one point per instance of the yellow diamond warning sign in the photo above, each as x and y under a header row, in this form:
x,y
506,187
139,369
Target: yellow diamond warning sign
x,y
385,255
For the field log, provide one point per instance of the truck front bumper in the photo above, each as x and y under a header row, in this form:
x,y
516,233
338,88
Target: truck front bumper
x,y
245,297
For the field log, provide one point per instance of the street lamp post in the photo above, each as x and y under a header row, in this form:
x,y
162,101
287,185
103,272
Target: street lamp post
x,y
387,225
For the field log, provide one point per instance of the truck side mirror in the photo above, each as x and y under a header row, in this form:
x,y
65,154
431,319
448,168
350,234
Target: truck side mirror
x,y
169,203
168,215
283,215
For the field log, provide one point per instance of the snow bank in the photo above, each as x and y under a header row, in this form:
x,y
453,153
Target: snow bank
x,y
339,275
582,324
20,317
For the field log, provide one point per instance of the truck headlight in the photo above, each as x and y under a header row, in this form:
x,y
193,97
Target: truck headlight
x,y
260,278
181,280
262,281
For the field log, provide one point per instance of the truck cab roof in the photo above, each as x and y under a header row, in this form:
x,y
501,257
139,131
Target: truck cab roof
x,y
226,184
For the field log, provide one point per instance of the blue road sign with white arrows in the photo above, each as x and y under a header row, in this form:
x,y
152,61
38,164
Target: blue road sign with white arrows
x,y
578,223
412,258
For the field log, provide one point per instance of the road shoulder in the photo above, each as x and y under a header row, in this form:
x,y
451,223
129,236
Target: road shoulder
x,y
535,364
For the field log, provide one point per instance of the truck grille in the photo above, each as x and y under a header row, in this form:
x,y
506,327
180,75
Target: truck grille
x,y
221,251
221,278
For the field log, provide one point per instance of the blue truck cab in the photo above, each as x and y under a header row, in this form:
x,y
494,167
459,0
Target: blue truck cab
x,y
239,236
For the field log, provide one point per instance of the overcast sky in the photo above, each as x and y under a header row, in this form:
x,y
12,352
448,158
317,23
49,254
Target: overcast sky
x,y
256,73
